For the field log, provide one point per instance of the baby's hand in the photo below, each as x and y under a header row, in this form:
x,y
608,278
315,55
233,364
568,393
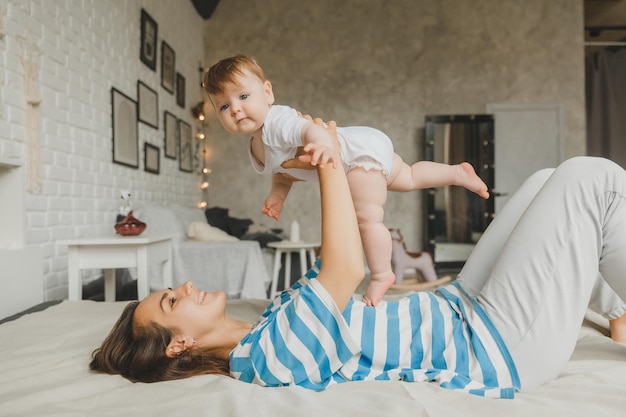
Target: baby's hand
x,y
273,206
321,155
305,159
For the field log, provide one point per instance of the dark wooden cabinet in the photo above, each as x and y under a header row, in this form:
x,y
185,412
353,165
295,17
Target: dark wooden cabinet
x,y
455,218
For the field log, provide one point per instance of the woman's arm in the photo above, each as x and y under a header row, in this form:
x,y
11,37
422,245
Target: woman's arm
x,y
341,249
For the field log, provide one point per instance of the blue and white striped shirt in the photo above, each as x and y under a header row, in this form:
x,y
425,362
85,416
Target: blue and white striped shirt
x,y
443,337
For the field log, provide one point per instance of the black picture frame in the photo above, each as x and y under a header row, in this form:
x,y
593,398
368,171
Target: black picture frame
x,y
124,129
152,158
170,130
148,47
180,90
147,105
168,67
185,146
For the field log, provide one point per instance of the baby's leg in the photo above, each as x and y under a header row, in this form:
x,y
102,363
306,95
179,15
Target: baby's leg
x,y
369,193
428,174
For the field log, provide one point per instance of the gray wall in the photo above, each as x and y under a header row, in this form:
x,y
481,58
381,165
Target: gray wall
x,y
387,64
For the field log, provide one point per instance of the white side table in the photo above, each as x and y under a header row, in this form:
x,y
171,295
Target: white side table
x,y
110,253
286,247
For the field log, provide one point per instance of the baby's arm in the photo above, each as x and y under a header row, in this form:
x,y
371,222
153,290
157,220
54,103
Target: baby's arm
x,y
323,153
281,184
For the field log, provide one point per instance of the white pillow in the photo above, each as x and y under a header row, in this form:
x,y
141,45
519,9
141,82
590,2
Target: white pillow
x,y
205,232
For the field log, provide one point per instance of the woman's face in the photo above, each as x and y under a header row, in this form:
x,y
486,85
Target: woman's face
x,y
192,313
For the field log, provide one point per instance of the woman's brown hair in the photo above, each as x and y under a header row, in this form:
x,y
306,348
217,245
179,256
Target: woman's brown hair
x,y
138,353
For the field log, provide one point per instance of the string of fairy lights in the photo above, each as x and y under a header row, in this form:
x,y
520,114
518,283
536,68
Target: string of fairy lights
x,y
202,149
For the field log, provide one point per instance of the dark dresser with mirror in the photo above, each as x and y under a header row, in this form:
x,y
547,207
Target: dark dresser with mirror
x,y
455,218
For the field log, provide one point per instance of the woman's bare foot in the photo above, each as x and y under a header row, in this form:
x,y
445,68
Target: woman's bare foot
x,y
377,287
618,329
467,178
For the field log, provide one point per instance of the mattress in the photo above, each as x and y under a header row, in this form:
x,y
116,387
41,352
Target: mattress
x,y
44,359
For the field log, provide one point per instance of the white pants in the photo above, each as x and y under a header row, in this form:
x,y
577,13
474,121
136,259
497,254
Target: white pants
x,y
547,256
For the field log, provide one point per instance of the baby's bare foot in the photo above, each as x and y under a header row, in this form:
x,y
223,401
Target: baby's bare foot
x,y
466,177
377,287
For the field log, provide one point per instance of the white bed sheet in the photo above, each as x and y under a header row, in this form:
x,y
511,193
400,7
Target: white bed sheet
x,y
238,268
44,360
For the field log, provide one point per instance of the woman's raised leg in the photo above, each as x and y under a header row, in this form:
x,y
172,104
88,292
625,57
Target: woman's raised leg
x,y
476,270
540,285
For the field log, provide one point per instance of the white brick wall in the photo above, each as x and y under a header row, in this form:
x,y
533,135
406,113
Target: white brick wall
x,y
84,48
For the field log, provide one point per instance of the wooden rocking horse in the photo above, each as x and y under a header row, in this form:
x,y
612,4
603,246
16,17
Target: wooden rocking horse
x,y
422,262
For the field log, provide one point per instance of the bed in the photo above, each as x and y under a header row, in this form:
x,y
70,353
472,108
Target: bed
x,y
44,372
238,267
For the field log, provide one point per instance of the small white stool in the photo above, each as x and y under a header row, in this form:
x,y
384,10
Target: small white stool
x,y
286,247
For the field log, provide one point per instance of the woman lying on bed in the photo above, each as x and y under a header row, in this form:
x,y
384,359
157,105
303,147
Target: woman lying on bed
x,y
510,320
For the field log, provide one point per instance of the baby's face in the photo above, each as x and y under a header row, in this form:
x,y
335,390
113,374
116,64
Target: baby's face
x,y
243,105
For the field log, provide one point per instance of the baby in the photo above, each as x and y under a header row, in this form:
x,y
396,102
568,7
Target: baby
x,y
244,103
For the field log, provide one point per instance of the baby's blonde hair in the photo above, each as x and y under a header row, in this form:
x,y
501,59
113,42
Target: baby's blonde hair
x,y
225,71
